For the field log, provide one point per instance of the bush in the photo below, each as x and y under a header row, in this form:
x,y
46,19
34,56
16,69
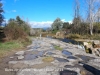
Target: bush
x,y
54,31
13,31
73,36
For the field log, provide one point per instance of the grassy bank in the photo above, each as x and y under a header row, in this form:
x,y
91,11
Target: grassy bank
x,y
14,45
90,37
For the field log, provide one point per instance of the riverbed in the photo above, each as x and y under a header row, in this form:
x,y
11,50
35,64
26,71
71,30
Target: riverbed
x,y
71,60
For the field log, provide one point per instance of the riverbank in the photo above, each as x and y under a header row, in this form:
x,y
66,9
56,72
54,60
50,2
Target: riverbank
x,y
48,56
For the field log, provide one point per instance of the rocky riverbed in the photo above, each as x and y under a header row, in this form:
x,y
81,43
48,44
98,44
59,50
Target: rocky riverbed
x,y
42,58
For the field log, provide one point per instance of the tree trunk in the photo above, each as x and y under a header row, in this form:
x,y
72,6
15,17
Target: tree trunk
x,y
91,28
91,32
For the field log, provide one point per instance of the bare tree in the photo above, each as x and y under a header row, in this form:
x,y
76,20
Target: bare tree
x,y
77,18
92,7
98,16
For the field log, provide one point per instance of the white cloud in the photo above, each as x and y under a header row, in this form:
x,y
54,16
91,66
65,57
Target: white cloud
x,y
42,24
70,22
10,11
63,20
14,11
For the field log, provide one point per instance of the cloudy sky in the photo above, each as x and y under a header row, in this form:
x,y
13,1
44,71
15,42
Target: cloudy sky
x,y
39,13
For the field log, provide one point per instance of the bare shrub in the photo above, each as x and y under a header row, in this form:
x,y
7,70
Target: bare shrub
x,y
14,32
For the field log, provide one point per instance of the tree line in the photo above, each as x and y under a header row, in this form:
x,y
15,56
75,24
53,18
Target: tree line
x,y
86,18
15,28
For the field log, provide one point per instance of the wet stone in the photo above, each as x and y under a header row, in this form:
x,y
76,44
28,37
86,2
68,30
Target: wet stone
x,y
41,53
71,57
85,58
66,53
61,59
67,72
50,53
82,69
76,65
30,55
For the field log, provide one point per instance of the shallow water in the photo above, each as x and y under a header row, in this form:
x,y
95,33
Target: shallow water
x,y
33,55
67,72
71,57
66,53
61,60
85,58
50,53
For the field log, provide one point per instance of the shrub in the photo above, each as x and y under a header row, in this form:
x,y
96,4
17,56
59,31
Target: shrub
x,y
73,36
13,31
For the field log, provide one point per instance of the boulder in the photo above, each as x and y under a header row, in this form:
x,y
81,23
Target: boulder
x,y
96,52
87,45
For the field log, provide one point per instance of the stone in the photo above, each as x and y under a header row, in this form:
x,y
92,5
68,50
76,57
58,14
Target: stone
x,y
70,53
96,42
98,50
11,57
68,72
12,62
20,57
85,43
20,53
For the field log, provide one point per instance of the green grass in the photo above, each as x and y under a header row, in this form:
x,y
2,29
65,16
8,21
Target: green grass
x,y
58,48
10,45
7,47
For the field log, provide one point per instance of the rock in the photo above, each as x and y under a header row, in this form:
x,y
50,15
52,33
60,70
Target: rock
x,y
85,43
61,58
12,62
11,57
98,50
20,53
68,72
97,53
20,57
96,42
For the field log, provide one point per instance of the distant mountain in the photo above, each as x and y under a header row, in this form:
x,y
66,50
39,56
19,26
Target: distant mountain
x,y
45,28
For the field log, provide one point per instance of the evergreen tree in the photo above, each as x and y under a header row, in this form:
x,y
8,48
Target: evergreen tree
x,y
1,12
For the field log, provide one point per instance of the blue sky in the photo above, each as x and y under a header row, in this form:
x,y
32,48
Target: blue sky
x,y
40,13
